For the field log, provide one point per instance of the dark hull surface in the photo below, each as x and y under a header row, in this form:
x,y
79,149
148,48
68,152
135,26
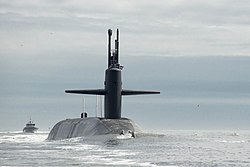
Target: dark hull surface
x,y
86,127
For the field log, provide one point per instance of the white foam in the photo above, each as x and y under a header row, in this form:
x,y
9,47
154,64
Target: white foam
x,y
22,137
233,141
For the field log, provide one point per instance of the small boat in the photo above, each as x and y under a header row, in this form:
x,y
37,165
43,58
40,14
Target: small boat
x,y
30,127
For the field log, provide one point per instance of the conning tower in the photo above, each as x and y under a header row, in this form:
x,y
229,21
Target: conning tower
x,y
112,91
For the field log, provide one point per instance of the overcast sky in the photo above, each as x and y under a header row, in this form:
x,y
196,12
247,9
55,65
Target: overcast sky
x,y
175,28
48,46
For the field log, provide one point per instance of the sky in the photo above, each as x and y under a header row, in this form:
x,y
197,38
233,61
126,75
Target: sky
x,y
195,52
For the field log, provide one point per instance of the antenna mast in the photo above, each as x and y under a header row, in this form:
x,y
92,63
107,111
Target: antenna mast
x,y
109,47
83,104
101,105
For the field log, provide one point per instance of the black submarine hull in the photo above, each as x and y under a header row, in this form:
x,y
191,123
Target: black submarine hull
x,y
92,126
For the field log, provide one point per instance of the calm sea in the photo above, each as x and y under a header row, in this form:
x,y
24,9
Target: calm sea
x,y
172,149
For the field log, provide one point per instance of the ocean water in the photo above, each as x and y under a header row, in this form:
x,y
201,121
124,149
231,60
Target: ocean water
x,y
165,148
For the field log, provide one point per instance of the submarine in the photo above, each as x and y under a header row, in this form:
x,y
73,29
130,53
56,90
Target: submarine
x,y
112,122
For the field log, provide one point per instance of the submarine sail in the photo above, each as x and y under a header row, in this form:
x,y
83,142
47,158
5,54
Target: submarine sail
x,y
112,93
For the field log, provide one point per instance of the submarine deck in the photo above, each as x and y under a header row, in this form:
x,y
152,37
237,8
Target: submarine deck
x,y
84,127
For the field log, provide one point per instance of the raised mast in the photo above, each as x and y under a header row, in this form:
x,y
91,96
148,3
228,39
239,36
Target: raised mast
x,y
117,46
109,47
